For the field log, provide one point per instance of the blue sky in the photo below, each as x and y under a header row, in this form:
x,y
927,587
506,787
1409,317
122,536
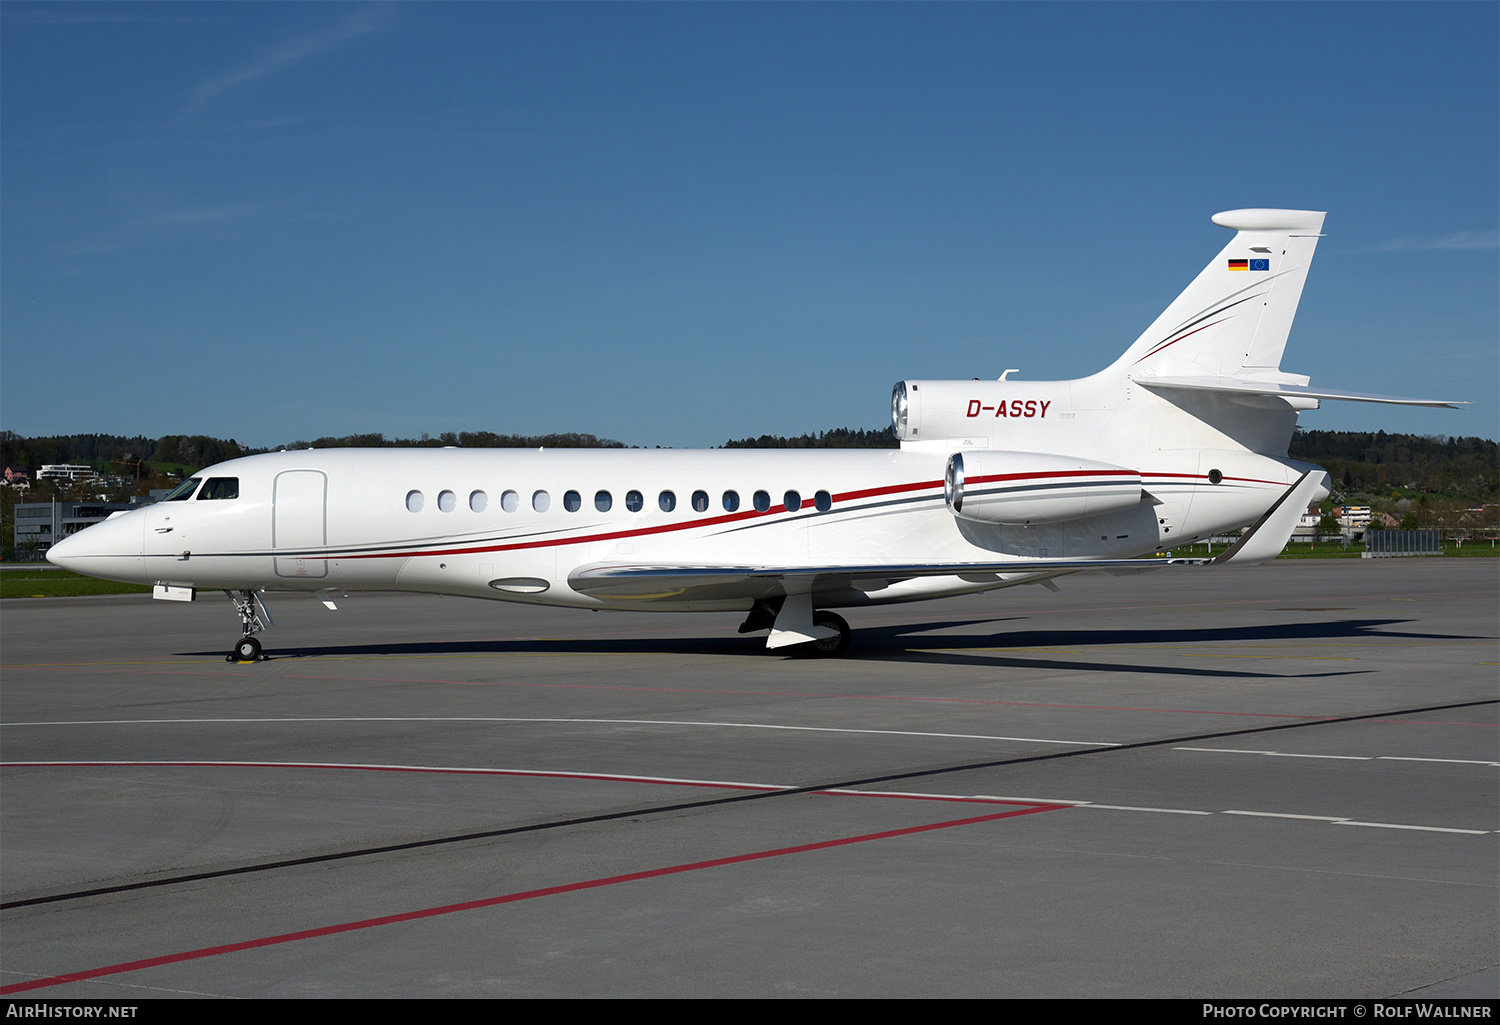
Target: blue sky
x,y
674,224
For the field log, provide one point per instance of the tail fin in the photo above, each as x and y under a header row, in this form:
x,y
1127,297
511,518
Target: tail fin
x,y
1233,320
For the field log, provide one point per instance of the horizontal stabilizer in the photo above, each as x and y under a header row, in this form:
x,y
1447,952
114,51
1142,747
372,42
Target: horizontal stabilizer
x,y
1251,387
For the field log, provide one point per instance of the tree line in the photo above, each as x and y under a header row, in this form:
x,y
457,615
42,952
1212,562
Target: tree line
x,y
1358,462
1380,462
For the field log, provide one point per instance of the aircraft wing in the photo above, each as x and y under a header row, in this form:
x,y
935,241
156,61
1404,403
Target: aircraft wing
x,y
708,583
646,582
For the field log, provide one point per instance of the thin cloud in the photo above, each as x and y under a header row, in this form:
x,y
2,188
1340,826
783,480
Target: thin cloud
x,y
164,227
117,14
1452,240
287,55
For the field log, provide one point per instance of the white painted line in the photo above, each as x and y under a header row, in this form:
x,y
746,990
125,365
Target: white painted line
x,y
1449,761
1425,829
596,722
615,777
1286,815
1163,811
917,795
1345,821
608,777
1274,754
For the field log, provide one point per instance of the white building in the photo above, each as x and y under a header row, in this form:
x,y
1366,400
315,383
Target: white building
x,y
1354,519
64,471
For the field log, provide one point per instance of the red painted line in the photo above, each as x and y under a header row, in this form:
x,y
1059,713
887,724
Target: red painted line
x,y
510,898
1174,341
709,521
751,514
1053,473
1204,476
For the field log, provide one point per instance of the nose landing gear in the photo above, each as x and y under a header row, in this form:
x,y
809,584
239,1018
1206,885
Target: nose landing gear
x,y
251,608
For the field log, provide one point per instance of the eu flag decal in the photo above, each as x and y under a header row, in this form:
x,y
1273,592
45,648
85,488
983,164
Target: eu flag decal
x,y
1260,264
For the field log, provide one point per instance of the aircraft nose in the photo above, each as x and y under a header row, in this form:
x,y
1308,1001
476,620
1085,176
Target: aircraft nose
x,y
111,549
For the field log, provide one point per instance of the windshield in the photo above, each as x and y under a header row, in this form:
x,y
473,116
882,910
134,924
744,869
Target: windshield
x,y
183,491
220,487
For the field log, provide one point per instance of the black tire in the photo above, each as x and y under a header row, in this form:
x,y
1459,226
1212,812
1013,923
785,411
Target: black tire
x,y
831,647
248,650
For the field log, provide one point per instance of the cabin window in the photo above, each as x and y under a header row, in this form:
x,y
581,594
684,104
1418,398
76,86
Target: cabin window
x,y
541,501
762,501
478,501
823,500
572,501
700,501
414,501
447,501
220,487
731,501
603,500
510,501
667,501
183,491
634,501
792,501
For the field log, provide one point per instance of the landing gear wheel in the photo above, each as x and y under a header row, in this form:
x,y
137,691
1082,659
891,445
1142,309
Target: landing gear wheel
x,y
831,647
248,650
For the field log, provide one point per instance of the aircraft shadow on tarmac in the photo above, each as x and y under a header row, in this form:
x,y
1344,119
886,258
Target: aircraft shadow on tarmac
x,y
922,642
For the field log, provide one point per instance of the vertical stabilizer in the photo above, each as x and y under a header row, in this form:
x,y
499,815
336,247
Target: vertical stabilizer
x,y
1233,320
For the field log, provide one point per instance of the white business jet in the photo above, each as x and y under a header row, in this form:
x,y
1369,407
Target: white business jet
x,y
996,483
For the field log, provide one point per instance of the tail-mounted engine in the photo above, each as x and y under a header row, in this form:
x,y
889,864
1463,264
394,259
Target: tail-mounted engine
x,y
931,411
1032,487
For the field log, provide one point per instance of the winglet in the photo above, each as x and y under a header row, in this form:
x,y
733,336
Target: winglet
x,y
1264,541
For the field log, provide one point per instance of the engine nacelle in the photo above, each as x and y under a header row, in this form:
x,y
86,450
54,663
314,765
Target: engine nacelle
x,y
931,411
1033,487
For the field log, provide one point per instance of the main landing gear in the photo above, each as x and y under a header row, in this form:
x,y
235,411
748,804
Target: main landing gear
x,y
793,623
831,647
253,619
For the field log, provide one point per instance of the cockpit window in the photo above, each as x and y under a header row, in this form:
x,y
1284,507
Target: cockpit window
x,y
183,491
220,487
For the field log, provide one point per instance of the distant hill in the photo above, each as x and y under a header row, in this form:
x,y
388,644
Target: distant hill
x,y
1464,467
194,451
1358,462
464,439
839,437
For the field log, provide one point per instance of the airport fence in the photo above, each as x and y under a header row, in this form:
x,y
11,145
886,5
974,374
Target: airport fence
x,y
1385,544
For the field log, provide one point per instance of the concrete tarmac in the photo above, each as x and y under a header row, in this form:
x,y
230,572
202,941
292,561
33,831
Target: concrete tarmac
x,y
1261,783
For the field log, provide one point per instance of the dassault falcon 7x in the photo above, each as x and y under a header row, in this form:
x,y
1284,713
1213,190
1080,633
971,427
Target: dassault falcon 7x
x,y
996,483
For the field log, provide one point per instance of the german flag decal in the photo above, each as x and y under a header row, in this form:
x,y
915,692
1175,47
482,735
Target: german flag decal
x,y
1239,264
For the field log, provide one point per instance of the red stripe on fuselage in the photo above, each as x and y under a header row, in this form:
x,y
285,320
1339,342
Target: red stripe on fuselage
x,y
712,521
751,514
